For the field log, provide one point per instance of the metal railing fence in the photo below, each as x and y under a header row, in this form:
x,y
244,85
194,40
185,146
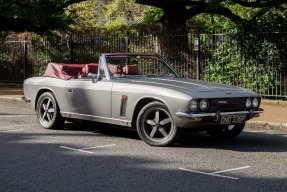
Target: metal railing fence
x,y
256,61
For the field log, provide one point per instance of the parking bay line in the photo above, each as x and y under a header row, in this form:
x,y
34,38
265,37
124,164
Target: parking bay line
x,y
245,167
215,174
84,149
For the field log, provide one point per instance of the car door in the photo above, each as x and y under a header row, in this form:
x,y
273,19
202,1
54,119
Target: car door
x,y
89,98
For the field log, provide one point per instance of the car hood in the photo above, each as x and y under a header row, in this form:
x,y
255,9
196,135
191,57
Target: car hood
x,y
190,87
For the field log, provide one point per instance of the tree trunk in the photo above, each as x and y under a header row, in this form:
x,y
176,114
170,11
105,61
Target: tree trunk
x,y
176,42
174,16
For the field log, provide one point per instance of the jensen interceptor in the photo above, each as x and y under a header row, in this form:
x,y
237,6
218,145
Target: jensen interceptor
x,y
140,91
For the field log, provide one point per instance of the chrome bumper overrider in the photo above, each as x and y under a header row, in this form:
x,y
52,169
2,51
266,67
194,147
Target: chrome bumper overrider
x,y
27,100
200,115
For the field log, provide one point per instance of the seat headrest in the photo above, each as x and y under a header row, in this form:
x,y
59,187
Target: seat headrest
x,y
131,69
115,69
90,68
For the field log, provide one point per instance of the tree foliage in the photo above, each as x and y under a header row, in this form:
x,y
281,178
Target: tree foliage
x,y
34,15
45,15
105,14
85,15
251,60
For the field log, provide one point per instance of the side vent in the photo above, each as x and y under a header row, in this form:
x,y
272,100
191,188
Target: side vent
x,y
124,105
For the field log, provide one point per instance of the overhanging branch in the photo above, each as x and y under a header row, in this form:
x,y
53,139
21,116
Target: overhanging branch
x,y
259,3
218,10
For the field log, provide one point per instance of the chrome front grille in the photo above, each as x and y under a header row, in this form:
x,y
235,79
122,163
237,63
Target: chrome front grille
x,y
227,104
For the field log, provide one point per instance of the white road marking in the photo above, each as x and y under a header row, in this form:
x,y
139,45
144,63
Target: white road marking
x,y
73,149
99,147
232,169
216,172
14,130
84,149
210,174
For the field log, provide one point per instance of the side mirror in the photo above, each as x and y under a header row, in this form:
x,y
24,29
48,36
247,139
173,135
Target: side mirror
x,y
94,77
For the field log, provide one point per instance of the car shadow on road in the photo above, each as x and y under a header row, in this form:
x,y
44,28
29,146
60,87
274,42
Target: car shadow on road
x,y
105,129
247,141
30,165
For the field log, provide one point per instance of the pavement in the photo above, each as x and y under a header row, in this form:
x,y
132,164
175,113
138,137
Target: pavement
x,y
273,117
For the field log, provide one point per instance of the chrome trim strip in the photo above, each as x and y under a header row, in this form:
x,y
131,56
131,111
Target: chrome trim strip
x,y
97,118
192,115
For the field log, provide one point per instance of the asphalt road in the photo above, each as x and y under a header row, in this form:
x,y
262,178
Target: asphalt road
x,y
91,157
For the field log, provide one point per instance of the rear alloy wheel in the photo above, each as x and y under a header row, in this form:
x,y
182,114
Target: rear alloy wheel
x,y
48,112
226,131
155,125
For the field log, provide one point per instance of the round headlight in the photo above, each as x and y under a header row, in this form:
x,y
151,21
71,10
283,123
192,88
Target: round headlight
x,y
255,102
203,105
193,105
248,104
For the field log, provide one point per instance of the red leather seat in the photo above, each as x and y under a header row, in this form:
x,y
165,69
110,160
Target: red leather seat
x,y
131,69
90,68
115,69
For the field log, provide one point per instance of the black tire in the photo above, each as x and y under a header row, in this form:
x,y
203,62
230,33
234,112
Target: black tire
x,y
48,112
226,131
155,125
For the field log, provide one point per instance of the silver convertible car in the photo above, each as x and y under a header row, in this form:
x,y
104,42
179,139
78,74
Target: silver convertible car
x,y
139,91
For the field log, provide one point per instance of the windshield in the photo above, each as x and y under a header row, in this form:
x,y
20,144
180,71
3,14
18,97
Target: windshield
x,y
138,66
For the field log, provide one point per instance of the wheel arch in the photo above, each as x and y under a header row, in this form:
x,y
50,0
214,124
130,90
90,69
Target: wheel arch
x,y
40,92
140,104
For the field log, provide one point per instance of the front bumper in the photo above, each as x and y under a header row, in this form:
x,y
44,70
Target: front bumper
x,y
251,113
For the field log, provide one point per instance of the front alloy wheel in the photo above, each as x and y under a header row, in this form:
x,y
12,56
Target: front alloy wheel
x,y
155,125
48,112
